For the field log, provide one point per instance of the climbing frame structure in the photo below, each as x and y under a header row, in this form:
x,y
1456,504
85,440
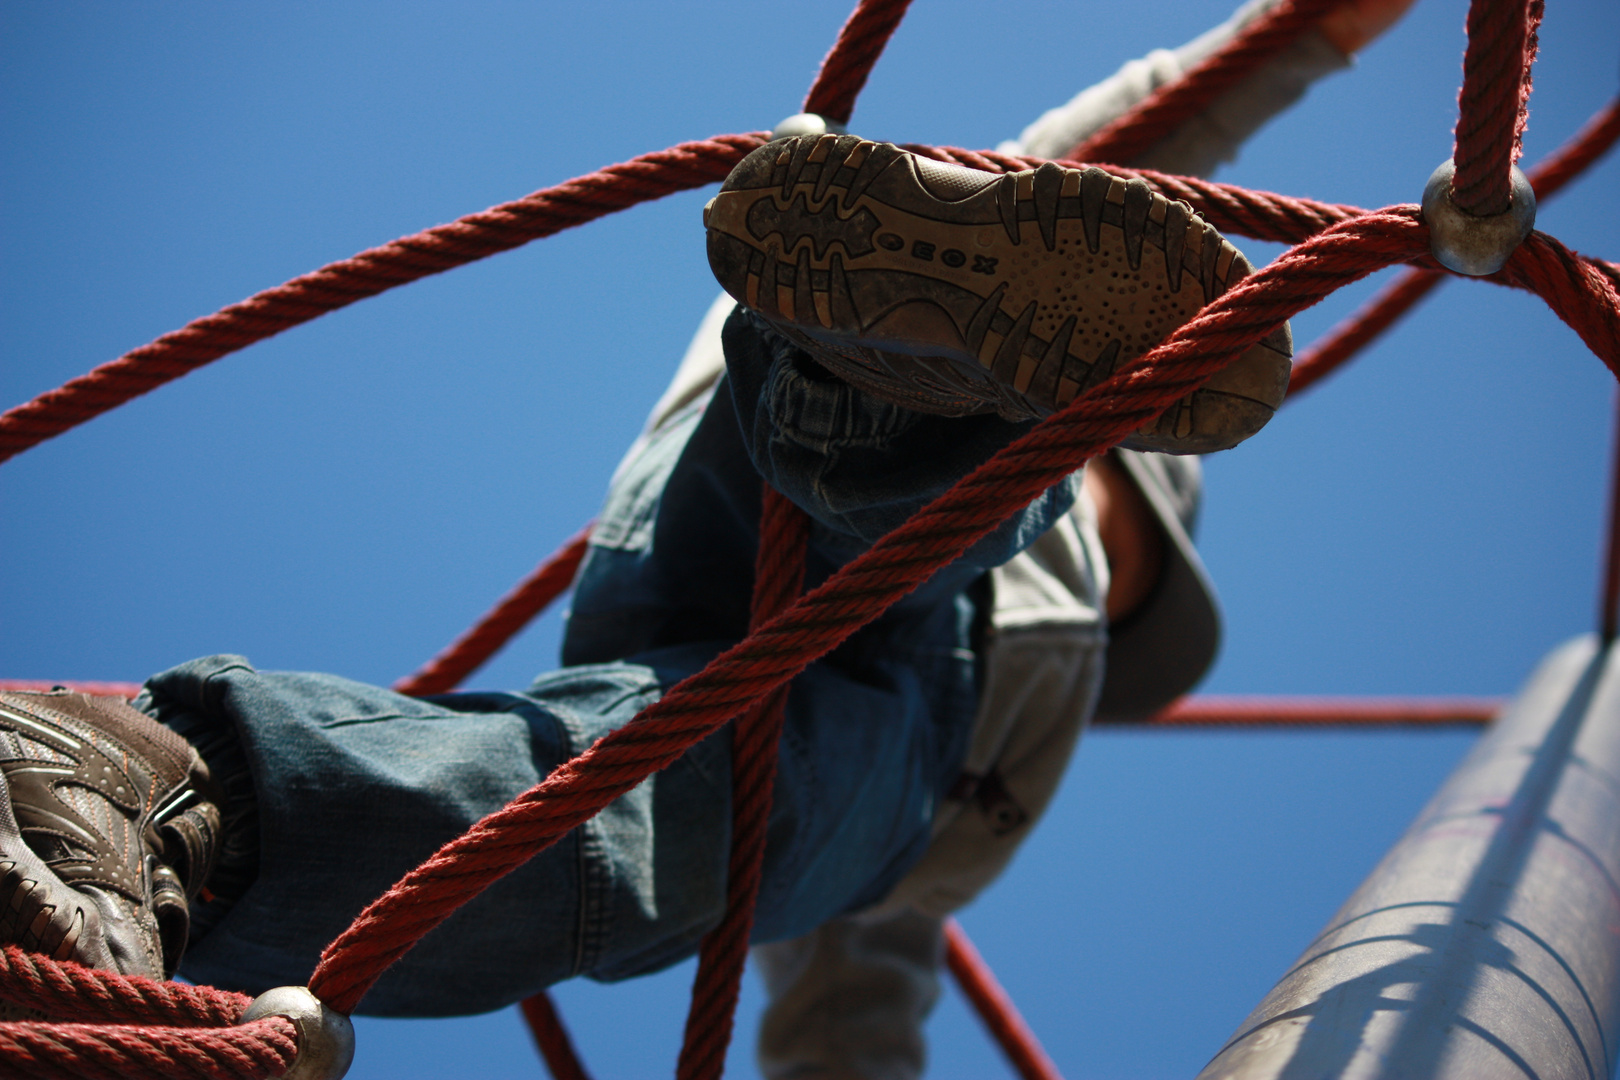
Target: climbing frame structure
x,y
130,1027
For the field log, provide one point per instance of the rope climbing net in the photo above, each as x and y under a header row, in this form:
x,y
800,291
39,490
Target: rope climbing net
x,y
113,1026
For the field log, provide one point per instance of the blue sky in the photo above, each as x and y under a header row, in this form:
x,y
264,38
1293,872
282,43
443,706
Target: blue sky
x,y
349,496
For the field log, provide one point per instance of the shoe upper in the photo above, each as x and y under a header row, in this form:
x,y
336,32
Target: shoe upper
x,y
108,828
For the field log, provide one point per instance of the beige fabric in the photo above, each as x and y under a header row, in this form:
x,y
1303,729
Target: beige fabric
x,y
1212,137
848,1001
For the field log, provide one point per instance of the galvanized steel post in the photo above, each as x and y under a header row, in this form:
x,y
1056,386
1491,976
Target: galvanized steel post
x,y
1486,943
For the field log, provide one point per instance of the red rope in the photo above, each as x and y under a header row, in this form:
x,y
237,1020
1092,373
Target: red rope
x,y
1493,104
511,614
846,66
69,991
132,1027
868,585
857,593
1549,177
261,1049
1582,292
551,1037
784,530
1001,1017
1322,712
339,284
1156,116
1585,293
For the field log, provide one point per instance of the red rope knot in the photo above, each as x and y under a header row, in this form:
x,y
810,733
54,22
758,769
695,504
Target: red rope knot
x,y
325,1036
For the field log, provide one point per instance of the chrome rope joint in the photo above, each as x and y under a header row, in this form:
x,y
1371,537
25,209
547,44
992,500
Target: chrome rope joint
x,y
1472,245
807,124
325,1036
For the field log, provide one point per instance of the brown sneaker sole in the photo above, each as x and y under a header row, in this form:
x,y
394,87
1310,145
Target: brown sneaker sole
x,y
955,291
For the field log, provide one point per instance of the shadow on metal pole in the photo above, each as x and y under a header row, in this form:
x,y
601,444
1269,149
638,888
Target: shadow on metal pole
x,y
1487,942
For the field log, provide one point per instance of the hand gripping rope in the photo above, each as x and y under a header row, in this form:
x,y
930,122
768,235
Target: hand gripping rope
x,y
117,1026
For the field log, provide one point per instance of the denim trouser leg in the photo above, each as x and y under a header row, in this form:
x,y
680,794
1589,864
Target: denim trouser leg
x,y
356,784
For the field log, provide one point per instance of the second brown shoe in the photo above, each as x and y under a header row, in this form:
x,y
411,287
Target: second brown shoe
x,y
954,291
108,829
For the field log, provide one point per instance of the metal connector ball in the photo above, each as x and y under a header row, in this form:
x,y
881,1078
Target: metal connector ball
x,y
1472,245
325,1036
807,124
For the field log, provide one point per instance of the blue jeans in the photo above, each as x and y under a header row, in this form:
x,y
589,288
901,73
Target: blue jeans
x,y
355,784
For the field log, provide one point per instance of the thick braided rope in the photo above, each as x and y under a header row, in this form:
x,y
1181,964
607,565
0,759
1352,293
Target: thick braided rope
x,y
1583,292
1492,105
108,1025
1156,116
847,65
261,1049
72,992
336,285
551,1038
1352,335
511,614
784,531
854,595
1553,265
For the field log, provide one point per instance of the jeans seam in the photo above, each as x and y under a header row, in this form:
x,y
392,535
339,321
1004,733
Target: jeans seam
x,y
595,882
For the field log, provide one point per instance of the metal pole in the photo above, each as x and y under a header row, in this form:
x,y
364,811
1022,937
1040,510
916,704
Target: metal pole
x,y
1486,944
